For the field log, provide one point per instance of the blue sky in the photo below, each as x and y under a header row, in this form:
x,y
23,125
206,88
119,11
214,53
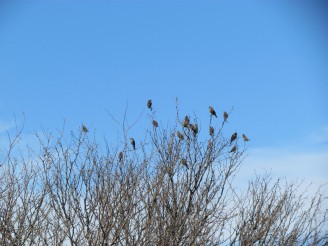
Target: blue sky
x,y
73,60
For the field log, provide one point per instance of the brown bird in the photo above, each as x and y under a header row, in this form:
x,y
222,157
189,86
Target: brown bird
x,y
180,136
225,115
149,104
211,130
233,149
212,111
120,157
245,138
84,128
233,137
186,121
194,129
155,123
184,162
133,143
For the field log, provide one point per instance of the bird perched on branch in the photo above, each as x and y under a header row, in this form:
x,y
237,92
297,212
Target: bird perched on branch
x,y
84,128
233,137
120,157
212,111
155,123
133,143
211,130
225,115
184,162
149,104
180,136
194,129
245,138
233,149
186,121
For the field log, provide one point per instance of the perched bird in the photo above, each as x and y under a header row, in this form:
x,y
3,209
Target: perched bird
x,y
149,104
180,136
133,143
233,149
186,121
84,128
233,137
155,123
194,129
120,157
211,130
212,111
245,138
184,162
209,144
225,115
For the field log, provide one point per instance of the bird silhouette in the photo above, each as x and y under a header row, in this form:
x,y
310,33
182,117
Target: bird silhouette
x,y
212,111
84,128
233,149
225,115
245,138
194,129
149,104
211,130
209,144
133,143
186,121
184,162
233,137
155,123
120,157
180,136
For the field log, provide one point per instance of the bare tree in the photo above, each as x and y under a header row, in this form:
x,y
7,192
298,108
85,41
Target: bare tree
x,y
21,197
276,213
175,186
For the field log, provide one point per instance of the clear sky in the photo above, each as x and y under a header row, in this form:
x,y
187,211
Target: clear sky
x,y
73,60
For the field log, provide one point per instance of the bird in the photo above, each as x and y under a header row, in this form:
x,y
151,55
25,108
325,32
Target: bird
x,y
155,123
149,104
180,136
133,143
120,156
186,121
245,138
194,129
212,111
233,137
233,149
225,115
184,162
84,128
211,130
